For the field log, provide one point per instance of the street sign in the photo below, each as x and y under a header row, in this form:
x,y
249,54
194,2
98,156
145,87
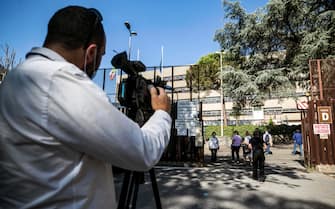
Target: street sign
x,y
187,122
325,114
302,105
187,110
185,127
321,129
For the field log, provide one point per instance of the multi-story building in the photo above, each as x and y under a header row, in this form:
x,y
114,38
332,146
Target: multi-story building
x,y
277,109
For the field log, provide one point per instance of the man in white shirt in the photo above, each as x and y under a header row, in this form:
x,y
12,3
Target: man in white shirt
x,y
59,134
267,138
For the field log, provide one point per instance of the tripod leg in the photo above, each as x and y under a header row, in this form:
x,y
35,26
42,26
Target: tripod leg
x,y
155,188
131,190
137,182
124,190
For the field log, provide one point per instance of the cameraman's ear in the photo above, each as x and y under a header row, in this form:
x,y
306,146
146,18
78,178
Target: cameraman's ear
x,y
91,53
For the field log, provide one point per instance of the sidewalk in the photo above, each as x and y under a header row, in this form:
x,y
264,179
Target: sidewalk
x,y
225,185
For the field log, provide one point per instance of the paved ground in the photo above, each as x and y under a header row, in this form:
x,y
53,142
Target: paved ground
x,y
225,185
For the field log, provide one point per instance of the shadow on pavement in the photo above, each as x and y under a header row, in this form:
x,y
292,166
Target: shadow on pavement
x,y
221,185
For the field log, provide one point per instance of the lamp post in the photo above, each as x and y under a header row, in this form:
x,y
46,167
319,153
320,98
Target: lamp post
x,y
223,107
131,33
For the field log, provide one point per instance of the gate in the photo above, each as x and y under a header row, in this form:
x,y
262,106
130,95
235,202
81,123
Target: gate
x,y
319,147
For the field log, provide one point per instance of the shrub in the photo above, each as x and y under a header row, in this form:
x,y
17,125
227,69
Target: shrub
x,y
281,134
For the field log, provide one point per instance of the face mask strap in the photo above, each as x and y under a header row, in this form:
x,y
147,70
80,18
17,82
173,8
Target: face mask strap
x,y
94,64
85,63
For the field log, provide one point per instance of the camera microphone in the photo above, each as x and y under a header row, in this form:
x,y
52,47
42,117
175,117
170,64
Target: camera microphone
x,y
130,67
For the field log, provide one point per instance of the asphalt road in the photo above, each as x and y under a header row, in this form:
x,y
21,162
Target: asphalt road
x,y
223,184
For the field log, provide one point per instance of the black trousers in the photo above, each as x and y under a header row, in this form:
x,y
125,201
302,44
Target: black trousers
x,y
213,154
235,150
258,163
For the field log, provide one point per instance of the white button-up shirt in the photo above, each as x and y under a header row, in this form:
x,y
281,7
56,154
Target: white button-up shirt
x,y
59,135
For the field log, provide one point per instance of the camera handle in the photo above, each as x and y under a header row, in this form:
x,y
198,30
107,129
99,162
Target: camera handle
x,y
130,186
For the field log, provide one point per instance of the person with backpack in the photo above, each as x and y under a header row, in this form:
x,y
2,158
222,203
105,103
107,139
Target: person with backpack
x,y
267,138
247,154
257,144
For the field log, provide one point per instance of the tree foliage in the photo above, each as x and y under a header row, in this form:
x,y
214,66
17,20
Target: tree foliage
x,y
204,75
271,47
7,57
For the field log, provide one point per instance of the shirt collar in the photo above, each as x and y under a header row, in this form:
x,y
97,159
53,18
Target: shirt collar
x,y
45,52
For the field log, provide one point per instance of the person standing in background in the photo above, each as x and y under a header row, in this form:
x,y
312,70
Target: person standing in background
x,y
267,138
257,145
213,144
297,139
247,154
235,146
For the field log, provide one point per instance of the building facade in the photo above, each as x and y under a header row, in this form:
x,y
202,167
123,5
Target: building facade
x,y
276,108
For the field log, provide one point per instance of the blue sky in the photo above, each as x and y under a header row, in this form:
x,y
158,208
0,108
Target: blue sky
x,y
185,28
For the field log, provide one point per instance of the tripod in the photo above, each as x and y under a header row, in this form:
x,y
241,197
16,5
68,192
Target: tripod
x,y
130,186
133,179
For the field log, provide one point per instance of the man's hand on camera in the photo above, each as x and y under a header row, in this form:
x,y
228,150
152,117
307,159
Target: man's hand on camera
x,y
160,101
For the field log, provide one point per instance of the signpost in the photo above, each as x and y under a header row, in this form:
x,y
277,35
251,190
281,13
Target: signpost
x,y
325,115
322,129
187,122
302,105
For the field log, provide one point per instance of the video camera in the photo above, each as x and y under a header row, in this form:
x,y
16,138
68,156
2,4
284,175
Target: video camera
x,y
133,91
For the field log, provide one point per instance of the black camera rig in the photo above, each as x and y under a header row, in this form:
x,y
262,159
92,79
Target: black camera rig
x,y
133,91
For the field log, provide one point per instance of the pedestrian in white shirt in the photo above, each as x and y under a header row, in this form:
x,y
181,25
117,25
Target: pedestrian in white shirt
x,y
267,138
60,135
213,145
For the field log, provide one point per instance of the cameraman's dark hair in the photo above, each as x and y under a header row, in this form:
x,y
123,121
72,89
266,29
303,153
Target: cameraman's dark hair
x,y
74,27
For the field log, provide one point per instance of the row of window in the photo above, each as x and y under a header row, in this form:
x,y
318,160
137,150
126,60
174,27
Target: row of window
x,y
175,78
248,111
216,100
273,95
231,122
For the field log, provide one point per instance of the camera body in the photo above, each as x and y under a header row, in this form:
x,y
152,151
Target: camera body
x,y
133,91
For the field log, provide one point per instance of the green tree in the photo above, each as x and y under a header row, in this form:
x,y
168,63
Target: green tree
x,y
271,47
204,75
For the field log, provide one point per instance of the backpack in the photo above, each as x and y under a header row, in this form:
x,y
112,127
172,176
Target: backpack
x,y
267,139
